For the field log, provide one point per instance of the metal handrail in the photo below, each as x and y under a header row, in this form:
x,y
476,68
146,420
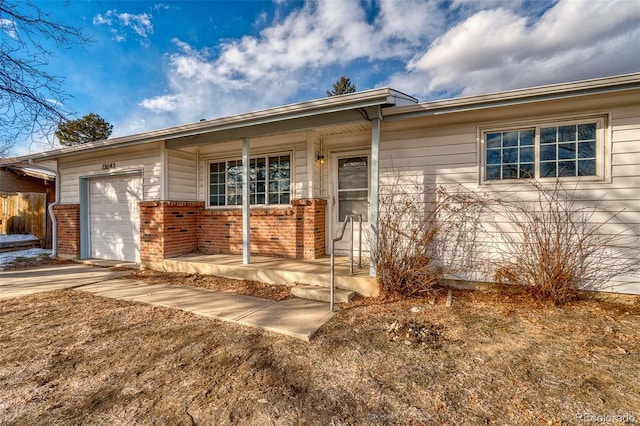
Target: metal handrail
x,y
348,218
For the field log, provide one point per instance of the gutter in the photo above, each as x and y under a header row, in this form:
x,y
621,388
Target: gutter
x,y
515,97
323,106
54,224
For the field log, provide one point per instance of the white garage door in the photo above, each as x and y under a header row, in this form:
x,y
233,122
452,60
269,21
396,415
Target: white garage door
x,y
114,218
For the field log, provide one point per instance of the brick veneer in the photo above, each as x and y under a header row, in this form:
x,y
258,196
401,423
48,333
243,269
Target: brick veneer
x,y
173,228
168,229
297,232
68,229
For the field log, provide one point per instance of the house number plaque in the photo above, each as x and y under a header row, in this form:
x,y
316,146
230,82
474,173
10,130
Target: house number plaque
x,y
107,166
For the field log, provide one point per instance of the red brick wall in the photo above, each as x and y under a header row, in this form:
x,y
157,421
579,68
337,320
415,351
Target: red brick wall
x,y
168,228
295,232
310,229
173,228
68,228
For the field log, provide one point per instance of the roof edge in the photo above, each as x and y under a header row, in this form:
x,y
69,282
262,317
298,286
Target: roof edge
x,y
375,97
530,94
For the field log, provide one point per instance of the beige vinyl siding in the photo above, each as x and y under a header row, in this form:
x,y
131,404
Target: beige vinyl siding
x,y
47,164
294,143
299,182
625,189
431,151
182,176
145,158
430,157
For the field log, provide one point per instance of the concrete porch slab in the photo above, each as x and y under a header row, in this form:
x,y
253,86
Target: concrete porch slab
x,y
273,270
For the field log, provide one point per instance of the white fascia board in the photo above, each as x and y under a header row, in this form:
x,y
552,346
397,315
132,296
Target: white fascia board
x,y
352,101
515,97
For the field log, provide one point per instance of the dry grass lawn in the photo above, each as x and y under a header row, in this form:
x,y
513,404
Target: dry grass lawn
x,y
67,357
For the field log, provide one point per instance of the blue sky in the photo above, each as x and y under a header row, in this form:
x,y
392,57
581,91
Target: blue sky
x,y
159,64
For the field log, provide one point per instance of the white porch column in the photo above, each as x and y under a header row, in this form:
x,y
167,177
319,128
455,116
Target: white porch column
x,y
373,202
246,211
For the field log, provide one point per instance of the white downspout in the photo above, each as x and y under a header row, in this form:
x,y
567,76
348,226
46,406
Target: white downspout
x,y
54,224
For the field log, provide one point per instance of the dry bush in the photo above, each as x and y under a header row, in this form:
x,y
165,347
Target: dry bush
x,y
413,227
406,251
558,247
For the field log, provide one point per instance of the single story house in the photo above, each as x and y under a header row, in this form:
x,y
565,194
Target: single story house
x,y
281,181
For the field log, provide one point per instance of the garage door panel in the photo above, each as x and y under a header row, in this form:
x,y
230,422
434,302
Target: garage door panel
x,y
114,218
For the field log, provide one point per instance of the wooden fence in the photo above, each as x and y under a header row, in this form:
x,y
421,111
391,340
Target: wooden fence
x,y
23,212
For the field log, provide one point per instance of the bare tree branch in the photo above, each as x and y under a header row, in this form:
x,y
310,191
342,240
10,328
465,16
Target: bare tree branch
x,y
31,100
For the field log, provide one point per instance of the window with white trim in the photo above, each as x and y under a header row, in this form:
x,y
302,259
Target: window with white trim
x,y
554,150
269,181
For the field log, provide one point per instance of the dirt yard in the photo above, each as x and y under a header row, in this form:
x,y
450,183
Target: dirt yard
x,y
67,357
246,287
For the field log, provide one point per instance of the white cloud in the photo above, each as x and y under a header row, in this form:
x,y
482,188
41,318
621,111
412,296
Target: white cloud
x,y
160,6
9,27
161,103
102,20
271,68
498,49
140,23
117,36
466,47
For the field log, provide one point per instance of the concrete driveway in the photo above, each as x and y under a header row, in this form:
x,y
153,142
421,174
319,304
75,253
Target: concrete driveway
x,y
52,277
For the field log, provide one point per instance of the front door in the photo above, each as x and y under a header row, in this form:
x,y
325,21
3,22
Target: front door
x,y
350,196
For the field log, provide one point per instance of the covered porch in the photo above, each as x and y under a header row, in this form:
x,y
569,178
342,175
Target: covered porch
x,y
276,182
277,270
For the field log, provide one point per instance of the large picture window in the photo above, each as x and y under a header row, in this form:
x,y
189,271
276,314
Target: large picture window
x,y
269,181
555,150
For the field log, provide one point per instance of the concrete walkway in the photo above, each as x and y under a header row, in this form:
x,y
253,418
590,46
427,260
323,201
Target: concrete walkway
x,y
295,317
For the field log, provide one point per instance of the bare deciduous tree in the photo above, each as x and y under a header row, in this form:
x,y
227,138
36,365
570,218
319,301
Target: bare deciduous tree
x,y
31,99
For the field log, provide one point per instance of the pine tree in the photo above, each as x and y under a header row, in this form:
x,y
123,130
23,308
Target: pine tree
x,y
89,128
342,86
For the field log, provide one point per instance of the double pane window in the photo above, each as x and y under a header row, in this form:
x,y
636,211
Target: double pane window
x,y
568,150
269,181
511,155
547,151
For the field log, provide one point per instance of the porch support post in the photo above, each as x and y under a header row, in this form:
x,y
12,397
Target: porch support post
x,y
373,204
246,212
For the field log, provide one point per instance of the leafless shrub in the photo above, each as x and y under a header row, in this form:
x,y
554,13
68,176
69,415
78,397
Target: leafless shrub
x,y
406,251
412,237
557,245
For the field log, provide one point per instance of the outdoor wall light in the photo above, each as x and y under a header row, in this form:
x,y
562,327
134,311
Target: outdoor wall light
x,y
320,158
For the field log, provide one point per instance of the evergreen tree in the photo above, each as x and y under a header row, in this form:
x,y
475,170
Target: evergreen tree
x,y
89,128
342,86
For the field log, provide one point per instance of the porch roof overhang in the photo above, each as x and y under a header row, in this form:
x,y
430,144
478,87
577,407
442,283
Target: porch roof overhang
x,y
620,83
32,172
335,110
